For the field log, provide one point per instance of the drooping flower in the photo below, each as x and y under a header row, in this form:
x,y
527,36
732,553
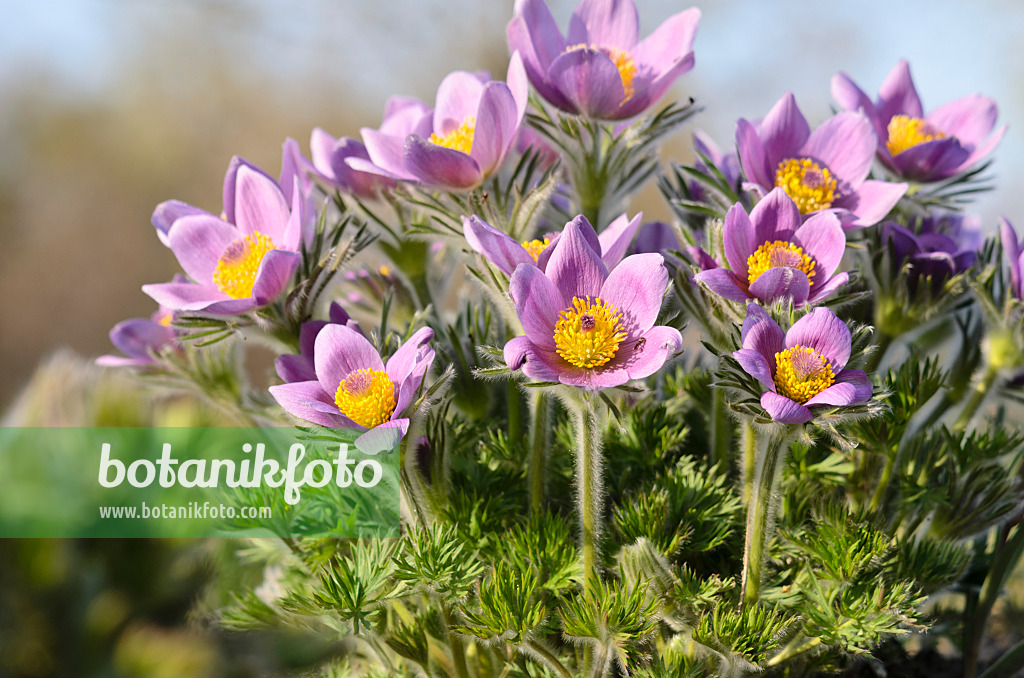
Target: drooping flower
x,y
353,388
139,339
506,253
1015,251
933,251
602,69
241,260
585,326
916,146
823,170
329,164
457,145
300,367
772,255
803,368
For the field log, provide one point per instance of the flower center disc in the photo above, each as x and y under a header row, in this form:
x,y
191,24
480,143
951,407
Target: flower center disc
x,y
236,269
802,373
535,247
622,60
906,132
367,397
588,334
459,139
778,254
811,186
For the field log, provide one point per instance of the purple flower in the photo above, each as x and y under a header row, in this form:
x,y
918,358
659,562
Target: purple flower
x,y
241,260
457,145
329,164
300,367
353,388
586,326
823,170
726,161
656,237
931,252
601,69
772,255
924,148
506,253
803,368
140,339
1015,251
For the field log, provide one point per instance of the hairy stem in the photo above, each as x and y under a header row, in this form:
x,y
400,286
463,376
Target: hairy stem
x,y
588,484
760,513
720,432
749,462
883,483
977,398
548,657
456,644
541,406
515,413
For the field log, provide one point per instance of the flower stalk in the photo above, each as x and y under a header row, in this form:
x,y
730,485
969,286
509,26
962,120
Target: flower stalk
x,y
588,483
761,511
978,395
540,405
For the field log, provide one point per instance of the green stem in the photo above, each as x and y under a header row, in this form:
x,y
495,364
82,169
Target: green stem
x,y
977,398
1007,665
515,413
720,433
759,514
749,462
551,659
883,483
588,485
539,437
456,644
1008,552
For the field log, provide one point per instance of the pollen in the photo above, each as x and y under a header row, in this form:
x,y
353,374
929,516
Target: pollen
x,y
236,269
535,247
906,132
367,397
459,139
778,254
802,373
622,60
588,334
166,319
811,186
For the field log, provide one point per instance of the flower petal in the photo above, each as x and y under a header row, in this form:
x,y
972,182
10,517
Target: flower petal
x,y
783,132
595,379
850,97
458,98
822,237
538,303
259,205
273,275
756,365
846,145
605,23
774,217
307,400
590,81
871,202
761,333
670,43
384,437
499,248
169,211
137,337
386,155
738,239
190,297
851,387
648,354
575,267
779,282
970,119
724,283
410,358
752,155
636,288
198,242
616,238
496,127
439,166
898,96
784,410
338,352
931,160
823,331
827,289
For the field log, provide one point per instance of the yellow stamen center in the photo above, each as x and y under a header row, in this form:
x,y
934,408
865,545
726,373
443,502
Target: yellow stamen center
x,y
535,247
166,319
906,132
802,373
622,60
588,334
367,397
778,254
236,269
811,186
459,139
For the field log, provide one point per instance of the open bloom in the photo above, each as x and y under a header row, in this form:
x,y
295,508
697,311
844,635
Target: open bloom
x,y
586,326
458,144
803,368
930,252
932,147
300,367
329,163
506,253
139,339
353,388
242,260
823,170
602,69
1015,251
772,255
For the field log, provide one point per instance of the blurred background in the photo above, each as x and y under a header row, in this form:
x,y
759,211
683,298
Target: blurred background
x,y
108,107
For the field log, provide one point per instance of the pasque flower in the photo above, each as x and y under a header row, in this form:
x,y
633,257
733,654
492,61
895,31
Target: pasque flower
x,y
823,170
930,252
459,143
1015,251
587,326
238,261
602,69
300,367
139,339
506,253
772,255
353,388
803,368
328,163
932,147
